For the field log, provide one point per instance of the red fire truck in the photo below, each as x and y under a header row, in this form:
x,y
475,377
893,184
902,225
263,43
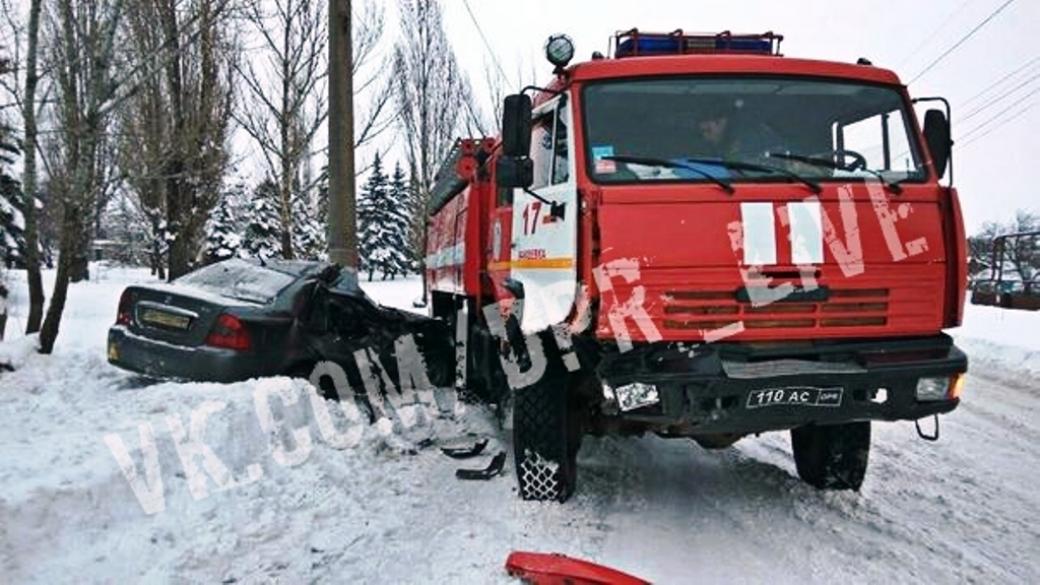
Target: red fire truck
x,y
699,237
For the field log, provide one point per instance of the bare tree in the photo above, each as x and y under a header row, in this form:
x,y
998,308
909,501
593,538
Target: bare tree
x,y
431,96
142,134
93,77
198,87
1021,255
172,131
82,38
1024,253
285,104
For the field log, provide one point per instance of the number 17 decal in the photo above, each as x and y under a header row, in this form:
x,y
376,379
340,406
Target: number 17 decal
x,y
531,211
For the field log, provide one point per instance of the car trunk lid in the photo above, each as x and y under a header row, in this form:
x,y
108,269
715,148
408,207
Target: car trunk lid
x,y
175,314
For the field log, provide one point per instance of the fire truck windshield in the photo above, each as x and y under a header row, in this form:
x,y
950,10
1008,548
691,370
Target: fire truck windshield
x,y
821,130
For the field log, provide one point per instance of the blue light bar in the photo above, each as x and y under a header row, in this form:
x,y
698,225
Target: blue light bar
x,y
633,43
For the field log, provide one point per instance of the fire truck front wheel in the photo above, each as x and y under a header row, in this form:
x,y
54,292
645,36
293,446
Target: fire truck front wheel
x,y
832,456
545,441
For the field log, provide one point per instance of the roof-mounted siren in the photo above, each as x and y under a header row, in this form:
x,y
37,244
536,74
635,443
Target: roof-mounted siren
x,y
633,43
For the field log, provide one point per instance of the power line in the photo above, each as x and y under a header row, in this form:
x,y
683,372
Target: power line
x,y
962,40
996,83
928,39
483,38
1001,97
1002,123
1000,113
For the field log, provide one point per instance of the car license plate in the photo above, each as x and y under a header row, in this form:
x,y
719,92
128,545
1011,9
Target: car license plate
x,y
795,396
164,319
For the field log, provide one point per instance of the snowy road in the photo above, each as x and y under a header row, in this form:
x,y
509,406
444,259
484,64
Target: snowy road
x,y
962,509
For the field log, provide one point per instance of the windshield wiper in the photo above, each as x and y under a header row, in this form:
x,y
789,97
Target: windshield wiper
x,y
740,165
670,164
892,186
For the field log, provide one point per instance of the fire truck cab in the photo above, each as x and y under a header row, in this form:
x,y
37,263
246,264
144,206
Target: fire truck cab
x,y
699,237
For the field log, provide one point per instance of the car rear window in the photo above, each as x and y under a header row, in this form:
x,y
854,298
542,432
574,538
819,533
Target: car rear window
x,y
238,279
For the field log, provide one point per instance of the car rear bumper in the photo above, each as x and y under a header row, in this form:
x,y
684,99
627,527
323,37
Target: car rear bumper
x,y
164,360
741,388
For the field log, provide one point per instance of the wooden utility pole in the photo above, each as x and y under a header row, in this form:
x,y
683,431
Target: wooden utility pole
x,y
342,235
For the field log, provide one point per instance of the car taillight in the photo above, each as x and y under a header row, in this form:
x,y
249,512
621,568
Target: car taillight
x,y
123,315
229,332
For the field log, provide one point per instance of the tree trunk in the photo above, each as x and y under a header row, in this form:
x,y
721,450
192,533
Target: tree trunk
x,y
176,193
32,239
3,310
79,262
70,236
288,150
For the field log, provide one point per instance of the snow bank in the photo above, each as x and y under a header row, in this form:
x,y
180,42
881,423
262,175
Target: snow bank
x,y
1001,339
14,353
128,480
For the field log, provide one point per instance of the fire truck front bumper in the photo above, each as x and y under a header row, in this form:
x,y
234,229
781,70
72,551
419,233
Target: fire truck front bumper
x,y
751,388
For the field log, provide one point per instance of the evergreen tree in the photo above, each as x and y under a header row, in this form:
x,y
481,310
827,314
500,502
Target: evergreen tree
x,y
308,229
222,234
400,223
263,230
12,222
371,219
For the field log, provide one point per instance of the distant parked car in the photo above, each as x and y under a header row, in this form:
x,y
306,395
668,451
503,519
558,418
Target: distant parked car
x,y
239,319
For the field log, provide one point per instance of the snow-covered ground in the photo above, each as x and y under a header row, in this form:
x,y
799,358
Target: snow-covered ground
x,y
385,510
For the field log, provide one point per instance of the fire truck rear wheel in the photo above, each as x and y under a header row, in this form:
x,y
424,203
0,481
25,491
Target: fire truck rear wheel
x,y
545,441
832,457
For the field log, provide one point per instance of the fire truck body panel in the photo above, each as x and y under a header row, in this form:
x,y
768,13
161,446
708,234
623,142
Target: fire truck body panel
x,y
456,223
861,281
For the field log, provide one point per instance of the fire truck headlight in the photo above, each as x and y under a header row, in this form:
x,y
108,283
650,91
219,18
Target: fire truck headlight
x,y
559,50
932,388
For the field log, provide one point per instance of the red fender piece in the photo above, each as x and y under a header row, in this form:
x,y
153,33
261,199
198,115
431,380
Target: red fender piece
x,y
556,569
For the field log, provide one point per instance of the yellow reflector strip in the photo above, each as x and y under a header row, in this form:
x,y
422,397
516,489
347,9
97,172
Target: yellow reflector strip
x,y
533,263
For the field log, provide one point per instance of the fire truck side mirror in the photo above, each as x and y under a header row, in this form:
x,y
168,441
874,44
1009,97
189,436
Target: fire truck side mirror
x,y
937,135
514,172
516,125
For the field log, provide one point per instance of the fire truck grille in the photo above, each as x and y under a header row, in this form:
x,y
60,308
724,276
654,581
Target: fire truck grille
x,y
697,310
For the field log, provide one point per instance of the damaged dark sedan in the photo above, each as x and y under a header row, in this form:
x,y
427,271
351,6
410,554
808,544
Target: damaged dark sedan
x,y
241,319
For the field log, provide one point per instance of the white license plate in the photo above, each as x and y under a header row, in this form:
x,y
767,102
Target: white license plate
x,y
796,396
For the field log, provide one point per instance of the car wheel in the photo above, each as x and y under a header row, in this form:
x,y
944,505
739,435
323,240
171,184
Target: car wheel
x,y
545,440
832,457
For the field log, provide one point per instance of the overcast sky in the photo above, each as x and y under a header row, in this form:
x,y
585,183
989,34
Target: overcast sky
x,y
992,174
